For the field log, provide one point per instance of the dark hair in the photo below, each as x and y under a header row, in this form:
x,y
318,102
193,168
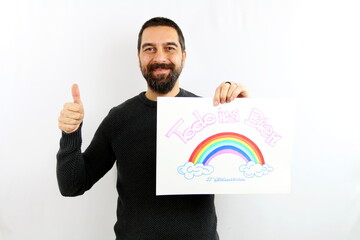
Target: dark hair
x,y
161,21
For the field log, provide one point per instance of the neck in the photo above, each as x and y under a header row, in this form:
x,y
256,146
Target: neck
x,y
151,95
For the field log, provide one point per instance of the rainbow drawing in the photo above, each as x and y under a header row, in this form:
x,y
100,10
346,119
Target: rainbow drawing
x,y
226,142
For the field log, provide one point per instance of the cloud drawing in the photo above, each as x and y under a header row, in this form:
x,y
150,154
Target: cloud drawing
x,y
191,170
252,169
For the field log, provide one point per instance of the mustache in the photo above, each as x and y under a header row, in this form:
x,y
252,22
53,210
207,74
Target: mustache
x,y
161,65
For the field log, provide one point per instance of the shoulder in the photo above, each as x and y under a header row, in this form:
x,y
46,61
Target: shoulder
x,y
132,107
126,105
119,115
120,110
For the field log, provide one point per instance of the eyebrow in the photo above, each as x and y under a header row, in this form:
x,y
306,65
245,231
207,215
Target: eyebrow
x,y
147,45
152,44
171,43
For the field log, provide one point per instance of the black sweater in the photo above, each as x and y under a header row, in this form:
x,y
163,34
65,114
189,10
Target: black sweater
x,y
127,136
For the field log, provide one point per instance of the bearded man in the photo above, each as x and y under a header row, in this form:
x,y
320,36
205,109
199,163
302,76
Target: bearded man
x,y
127,136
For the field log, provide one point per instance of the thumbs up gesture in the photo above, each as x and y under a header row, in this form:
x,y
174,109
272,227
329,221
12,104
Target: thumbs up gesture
x,y
72,114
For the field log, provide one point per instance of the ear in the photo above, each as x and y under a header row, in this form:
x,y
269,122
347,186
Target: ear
x,y
138,55
183,57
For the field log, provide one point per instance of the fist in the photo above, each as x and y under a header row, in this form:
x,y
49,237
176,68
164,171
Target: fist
x,y
72,115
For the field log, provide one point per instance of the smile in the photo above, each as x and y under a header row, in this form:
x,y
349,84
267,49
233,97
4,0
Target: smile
x,y
161,70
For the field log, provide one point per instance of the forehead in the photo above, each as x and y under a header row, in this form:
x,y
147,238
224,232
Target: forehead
x,y
159,35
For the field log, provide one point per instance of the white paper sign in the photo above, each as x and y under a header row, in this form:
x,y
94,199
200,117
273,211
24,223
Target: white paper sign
x,y
240,147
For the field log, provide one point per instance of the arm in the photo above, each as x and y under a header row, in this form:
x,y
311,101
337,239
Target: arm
x,y
77,171
70,165
228,91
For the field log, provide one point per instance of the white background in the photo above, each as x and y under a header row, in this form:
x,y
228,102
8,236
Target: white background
x,y
307,50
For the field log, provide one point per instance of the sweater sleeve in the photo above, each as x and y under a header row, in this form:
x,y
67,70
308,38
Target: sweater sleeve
x,y
77,172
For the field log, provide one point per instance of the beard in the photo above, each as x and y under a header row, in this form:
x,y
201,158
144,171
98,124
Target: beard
x,y
161,83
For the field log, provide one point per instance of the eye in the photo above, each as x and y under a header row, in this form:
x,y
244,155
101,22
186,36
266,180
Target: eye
x,y
149,49
170,48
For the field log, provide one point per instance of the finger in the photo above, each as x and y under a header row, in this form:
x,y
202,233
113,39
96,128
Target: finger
x,y
217,96
76,93
72,115
68,128
74,107
68,121
68,125
224,91
231,92
240,92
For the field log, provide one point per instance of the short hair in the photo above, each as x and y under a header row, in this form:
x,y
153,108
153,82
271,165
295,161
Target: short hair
x,y
161,21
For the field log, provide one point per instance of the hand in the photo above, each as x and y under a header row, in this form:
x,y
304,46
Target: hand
x,y
228,91
72,114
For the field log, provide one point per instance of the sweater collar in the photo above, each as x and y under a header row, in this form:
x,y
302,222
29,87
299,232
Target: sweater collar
x,y
153,104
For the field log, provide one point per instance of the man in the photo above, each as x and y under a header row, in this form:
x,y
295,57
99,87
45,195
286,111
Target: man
x,y
127,136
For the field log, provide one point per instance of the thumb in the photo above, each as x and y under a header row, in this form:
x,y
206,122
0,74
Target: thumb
x,y
76,93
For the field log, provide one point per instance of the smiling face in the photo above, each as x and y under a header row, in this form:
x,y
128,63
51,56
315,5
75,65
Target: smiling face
x,y
161,58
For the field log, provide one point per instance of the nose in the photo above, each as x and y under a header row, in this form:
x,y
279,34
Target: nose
x,y
160,56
